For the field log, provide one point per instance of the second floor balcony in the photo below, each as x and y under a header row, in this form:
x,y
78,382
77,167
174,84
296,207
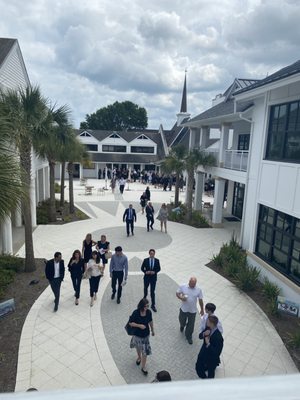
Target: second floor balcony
x,y
233,159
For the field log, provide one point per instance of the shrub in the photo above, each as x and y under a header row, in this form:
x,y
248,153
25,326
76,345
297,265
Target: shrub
x,y
232,269
247,278
270,290
80,214
10,262
199,220
218,260
57,187
294,339
6,277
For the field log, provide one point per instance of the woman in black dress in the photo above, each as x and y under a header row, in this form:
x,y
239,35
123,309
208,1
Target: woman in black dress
x,y
103,248
87,245
147,193
141,320
76,268
143,201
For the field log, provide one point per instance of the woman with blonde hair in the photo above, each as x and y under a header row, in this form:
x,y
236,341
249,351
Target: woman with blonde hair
x,y
87,245
163,217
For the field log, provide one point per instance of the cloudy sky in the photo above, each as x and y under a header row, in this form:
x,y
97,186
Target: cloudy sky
x,y
92,53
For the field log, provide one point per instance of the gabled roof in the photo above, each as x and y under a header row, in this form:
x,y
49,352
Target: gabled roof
x,y
5,46
281,74
238,84
172,134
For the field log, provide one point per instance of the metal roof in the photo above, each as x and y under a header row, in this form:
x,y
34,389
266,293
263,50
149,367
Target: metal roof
x,y
5,47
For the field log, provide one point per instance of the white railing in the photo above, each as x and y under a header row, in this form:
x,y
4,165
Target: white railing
x,y
215,153
236,159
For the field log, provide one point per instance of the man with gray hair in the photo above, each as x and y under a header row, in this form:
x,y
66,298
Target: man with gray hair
x,y
118,270
188,295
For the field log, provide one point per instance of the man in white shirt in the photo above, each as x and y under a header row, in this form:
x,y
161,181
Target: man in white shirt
x,y
55,272
188,295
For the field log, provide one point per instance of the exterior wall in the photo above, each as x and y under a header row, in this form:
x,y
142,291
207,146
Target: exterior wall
x,y
13,72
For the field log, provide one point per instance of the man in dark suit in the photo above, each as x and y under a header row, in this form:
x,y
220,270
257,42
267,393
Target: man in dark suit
x,y
149,215
130,217
55,272
209,355
150,267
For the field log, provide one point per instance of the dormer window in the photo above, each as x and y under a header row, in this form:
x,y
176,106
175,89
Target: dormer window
x,y
85,134
142,137
114,136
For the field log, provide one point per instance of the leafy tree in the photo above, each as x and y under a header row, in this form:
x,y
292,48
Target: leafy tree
x,y
174,163
117,116
26,110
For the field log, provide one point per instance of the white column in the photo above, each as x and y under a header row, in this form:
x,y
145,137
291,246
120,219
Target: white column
x,y
193,134
204,137
80,171
18,216
218,201
46,183
33,201
6,234
199,190
229,201
223,143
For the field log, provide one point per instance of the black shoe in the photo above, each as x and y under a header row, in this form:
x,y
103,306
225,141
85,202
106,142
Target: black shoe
x,y
151,227
181,328
118,301
55,308
154,308
138,361
147,230
132,233
190,340
113,296
144,371
128,235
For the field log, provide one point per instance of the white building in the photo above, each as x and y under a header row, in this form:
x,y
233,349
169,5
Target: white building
x,y
258,162
13,75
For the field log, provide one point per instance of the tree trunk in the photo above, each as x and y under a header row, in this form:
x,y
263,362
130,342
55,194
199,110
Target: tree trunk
x,y
62,184
52,207
71,192
176,201
189,196
25,161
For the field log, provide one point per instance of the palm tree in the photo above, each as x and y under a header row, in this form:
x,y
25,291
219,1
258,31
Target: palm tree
x,y
11,186
49,145
174,163
26,110
192,161
75,151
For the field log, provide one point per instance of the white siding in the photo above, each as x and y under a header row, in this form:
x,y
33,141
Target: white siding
x,y
13,72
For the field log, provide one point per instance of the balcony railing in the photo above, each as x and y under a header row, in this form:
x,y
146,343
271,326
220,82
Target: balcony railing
x,y
236,159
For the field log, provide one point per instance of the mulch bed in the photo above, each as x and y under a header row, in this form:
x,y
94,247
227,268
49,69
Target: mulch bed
x,y
11,325
284,324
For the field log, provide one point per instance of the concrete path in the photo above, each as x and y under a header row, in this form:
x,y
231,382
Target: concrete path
x,y
83,346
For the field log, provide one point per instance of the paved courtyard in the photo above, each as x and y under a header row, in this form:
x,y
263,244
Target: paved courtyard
x,y
83,346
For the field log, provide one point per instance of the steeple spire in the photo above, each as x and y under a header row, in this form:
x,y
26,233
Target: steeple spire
x,y
183,108
183,114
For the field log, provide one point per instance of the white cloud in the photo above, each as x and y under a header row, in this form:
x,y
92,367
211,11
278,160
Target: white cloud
x,y
90,54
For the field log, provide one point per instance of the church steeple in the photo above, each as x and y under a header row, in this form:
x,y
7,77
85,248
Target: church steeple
x,y
183,108
183,114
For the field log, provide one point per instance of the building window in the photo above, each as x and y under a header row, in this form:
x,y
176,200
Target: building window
x,y
91,147
284,133
114,136
114,149
141,149
238,199
244,141
278,241
143,137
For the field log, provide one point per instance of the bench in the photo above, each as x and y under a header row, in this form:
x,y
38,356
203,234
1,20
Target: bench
x,y
89,190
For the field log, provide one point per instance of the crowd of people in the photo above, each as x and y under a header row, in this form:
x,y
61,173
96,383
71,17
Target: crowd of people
x,y
90,263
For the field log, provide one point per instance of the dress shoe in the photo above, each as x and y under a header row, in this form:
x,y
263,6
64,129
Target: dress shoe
x,y
118,301
55,308
181,328
113,296
154,308
151,227
144,371
138,361
76,302
190,341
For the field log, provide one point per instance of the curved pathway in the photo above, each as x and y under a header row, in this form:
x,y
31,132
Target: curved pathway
x,y
80,347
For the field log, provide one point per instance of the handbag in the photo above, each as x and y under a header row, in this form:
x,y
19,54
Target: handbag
x,y
108,255
129,329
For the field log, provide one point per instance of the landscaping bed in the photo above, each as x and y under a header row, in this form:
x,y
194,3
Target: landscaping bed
x,y
63,215
16,285
231,264
179,214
